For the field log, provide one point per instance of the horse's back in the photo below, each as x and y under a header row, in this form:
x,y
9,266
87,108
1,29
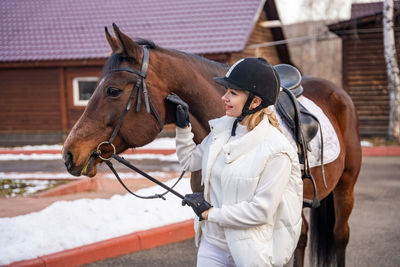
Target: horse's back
x,y
339,108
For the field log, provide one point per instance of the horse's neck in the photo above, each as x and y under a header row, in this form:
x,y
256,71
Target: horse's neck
x,y
195,85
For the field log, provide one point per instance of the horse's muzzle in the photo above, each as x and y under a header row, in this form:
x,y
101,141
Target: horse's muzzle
x,y
69,163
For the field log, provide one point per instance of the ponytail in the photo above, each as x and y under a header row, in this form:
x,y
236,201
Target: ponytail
x,y
254,119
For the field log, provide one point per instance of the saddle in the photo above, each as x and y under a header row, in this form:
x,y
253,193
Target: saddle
x,y
302,123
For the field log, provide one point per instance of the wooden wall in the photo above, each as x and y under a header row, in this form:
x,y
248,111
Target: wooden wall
x,y
30,103
74,112
257,36
365,79
30,100
36,106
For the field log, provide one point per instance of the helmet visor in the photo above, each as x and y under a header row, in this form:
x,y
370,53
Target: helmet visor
x,y
225,82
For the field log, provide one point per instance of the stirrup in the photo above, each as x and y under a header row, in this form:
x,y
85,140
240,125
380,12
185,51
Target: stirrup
x,y
308,202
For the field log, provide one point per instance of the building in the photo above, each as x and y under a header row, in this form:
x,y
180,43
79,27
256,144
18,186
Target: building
x,y
363,64
52,51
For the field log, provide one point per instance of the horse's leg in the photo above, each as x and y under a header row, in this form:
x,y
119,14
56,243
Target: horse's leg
x,y
344,190
301,245
344,201
195,182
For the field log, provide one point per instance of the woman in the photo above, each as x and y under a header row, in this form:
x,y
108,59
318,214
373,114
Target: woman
x,y
250,213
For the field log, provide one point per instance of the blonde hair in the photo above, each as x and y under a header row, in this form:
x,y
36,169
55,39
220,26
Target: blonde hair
x,y
254,119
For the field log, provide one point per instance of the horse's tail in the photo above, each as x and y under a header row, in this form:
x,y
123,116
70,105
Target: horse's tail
x,y
322,252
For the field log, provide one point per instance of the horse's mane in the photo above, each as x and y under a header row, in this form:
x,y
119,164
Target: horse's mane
x,y
203,64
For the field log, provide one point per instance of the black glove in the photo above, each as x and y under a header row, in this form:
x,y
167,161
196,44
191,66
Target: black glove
x,y
182,110
197,202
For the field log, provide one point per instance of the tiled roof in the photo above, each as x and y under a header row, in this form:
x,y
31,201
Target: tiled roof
x,y
366,9
74,29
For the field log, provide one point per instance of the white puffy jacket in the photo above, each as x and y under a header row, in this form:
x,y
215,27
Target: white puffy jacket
x,y
261,244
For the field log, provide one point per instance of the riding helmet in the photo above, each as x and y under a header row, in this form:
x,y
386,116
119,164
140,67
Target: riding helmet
x,y
257,76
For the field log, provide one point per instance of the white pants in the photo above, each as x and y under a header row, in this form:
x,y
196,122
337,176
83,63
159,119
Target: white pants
x,y
212,256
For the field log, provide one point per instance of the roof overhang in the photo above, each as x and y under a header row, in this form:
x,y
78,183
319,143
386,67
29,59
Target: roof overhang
x,y
348,27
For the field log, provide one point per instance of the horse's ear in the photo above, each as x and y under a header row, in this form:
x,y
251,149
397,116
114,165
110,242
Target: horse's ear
x,y
111,41
126,44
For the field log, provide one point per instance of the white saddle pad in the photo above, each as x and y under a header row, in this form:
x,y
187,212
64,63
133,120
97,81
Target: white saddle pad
x,y
330,139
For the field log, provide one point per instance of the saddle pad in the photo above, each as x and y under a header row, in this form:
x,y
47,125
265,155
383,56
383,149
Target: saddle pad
x,y
331,142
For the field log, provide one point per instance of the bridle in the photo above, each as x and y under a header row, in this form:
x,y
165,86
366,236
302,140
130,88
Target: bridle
x,y
139,88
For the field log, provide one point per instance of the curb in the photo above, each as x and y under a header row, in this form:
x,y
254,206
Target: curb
x,y
129,151
366,151
84,185
381,151
114,247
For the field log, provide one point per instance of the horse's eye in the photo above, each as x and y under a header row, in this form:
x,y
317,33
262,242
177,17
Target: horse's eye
x,y
113,92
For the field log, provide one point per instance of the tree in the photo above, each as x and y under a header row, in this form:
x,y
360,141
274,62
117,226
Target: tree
x,y
392,70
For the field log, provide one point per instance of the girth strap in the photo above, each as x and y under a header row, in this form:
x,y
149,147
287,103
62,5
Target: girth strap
x,y
295,123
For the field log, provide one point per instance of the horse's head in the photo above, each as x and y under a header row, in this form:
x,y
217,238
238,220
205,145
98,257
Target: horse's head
x,y
107,105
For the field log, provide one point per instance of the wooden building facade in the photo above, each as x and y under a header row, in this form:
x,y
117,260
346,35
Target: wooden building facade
x,y
42,99
364,69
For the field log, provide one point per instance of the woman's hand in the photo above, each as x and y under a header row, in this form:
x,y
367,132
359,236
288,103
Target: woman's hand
x,y
198,204
181,112
204,215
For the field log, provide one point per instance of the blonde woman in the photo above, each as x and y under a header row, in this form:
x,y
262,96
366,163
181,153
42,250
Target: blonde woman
x,y
250,212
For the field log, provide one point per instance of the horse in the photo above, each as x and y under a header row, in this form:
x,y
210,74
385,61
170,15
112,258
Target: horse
x,y
191,77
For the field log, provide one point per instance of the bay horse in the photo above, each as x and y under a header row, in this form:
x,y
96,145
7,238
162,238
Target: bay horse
x,y
190,77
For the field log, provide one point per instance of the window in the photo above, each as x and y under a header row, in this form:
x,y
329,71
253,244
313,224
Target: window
x,y
83,88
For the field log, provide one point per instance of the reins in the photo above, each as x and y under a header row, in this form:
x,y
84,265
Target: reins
x,y
139,88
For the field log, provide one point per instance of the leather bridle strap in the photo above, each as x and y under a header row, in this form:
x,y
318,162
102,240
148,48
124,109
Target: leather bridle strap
x,y
139,86
154,180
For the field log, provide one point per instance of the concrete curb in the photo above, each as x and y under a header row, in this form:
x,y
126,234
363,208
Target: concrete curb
x,y
114,247
129,151
83,185
381,151
366,151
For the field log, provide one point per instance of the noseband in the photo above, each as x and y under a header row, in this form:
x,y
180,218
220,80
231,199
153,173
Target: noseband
x,y
139,88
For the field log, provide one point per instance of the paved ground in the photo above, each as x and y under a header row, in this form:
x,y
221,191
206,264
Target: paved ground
x,y
58,166
374,225
10,207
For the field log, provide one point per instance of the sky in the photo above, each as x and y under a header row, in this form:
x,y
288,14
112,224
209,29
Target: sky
x,y
294,11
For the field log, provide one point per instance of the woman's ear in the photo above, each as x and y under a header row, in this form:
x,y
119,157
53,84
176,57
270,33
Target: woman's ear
x,y
256,102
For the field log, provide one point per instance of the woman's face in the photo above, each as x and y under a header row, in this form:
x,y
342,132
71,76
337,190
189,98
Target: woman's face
x,y
234,101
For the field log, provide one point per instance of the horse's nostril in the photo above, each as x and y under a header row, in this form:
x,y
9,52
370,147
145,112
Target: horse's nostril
x,y
68,160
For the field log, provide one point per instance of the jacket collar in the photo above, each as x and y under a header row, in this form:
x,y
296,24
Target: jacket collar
x,y
247,142
221,124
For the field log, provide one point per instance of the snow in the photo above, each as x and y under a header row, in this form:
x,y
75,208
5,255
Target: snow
x,y
25,188
38,175
39,147
67,176
34,156
365,143
159,143
86,221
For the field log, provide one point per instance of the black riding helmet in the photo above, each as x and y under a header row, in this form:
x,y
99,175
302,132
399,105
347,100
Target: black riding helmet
x,y
258,77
